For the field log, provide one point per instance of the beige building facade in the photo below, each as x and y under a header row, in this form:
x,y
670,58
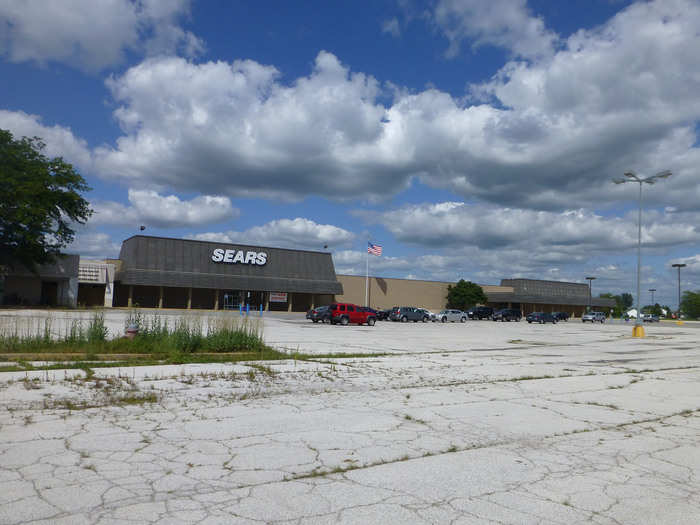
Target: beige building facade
x,y
527,295
385,292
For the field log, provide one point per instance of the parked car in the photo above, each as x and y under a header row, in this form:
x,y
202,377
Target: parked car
x,y
346,313
561,316
450,315
480,312
593,317
408,313
507,314
650,318
540,317
320,313
431,315
383,315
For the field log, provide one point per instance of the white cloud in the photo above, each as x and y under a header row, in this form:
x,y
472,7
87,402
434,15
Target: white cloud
x,y
91,34
59,140
296,233
152,209
558,128
504,23
93,244
391,27
554,235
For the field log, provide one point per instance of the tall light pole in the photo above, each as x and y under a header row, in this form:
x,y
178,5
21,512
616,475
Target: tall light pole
x,y
679,266
652,290
638,330
590,290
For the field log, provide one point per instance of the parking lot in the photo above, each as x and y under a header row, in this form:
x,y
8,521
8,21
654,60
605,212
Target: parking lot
x,y
480,422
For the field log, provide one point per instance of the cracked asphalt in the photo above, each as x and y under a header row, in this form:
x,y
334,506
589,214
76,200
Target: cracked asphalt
x,y
469,423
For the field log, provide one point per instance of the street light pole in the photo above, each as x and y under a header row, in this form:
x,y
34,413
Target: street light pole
x,y
590,291
679,266
652,290
638,330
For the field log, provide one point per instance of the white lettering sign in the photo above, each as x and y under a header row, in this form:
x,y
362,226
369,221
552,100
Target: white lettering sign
x,y
239,256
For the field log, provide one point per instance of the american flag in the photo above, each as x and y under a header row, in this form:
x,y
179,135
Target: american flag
x,y
374,249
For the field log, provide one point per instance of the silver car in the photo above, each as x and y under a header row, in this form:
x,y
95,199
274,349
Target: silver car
x,y
451,315
593,317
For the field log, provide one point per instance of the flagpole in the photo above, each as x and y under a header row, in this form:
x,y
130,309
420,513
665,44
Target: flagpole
x,y
367,278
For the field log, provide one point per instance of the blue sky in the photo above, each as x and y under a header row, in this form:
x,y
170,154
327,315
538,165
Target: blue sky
x,y
471,139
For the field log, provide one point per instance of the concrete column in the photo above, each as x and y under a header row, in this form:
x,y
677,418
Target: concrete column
x,y
289,301
189,298
216,299
130,301
266,300
160,297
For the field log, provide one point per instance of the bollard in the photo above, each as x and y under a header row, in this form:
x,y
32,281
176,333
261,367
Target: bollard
x,y
247,309
261,310
240,309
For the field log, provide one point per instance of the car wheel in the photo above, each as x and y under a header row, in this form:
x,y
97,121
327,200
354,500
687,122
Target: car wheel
x,y
315,320
371,321
404,319
444,319
529,322
463,320
541,322
344,321
425,318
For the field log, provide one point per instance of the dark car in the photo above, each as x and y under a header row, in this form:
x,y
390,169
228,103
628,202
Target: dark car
x,y
541,317
561,316
409,313
480,312
320,313
383,315
507,314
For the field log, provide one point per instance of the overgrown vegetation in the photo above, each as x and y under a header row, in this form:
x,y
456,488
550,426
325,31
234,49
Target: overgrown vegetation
x,y
155,337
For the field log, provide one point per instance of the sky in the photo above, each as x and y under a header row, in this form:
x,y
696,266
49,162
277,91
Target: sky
x,y
472,140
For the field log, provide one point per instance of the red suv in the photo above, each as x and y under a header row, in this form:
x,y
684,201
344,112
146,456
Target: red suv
x,y
345,313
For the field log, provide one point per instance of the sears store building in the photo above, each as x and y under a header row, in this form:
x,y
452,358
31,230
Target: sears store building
x,y
157,272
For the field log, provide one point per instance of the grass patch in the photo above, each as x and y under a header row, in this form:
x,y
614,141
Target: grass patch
x,y
155,336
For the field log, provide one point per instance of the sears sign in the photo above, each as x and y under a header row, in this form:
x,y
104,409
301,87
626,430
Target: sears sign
x,y
238,257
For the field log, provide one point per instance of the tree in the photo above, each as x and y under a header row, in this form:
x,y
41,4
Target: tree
x,y
39,205
465,294
626,301
690,304
617,309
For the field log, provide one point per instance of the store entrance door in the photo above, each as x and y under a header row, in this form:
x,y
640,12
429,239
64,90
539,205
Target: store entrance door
x,y
232,299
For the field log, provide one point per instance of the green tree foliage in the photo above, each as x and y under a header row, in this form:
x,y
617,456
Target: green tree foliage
x,y
654,309
690,304
464,295
626,301
623,302
40,203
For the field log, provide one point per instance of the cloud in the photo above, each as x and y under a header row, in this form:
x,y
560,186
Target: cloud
x,y
391,27
296,233
59,140
152,209
93,244
93,35
555,235
503,23
545,133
